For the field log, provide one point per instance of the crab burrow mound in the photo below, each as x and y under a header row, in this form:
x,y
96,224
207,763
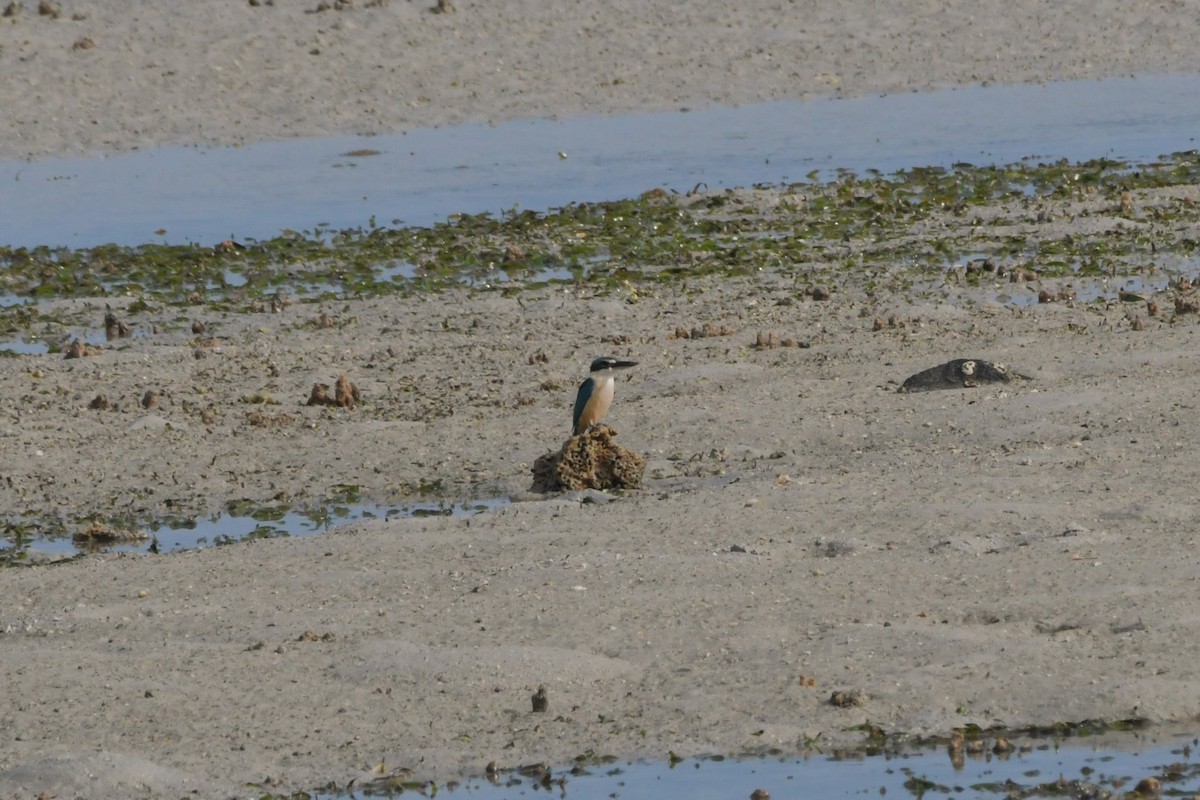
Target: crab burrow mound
x,y
591,460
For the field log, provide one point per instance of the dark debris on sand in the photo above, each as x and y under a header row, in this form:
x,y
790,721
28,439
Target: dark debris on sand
x,y
961,373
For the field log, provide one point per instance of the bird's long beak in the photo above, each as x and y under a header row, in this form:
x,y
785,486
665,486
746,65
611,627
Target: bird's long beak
x,y
624,364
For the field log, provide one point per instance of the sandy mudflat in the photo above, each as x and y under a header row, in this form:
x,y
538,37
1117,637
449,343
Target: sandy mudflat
x,y
1012,554
136,73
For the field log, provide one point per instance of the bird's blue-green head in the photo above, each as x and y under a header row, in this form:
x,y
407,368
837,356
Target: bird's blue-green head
x,y
609,362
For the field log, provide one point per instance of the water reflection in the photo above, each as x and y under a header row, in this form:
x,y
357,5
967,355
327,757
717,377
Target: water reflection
x,y
1073,768
235,526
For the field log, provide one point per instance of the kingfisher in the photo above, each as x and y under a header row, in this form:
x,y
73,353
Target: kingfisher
x,y
596,393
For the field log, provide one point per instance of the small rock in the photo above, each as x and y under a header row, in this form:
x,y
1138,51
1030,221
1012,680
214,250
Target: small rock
x,y
960,373
1149,787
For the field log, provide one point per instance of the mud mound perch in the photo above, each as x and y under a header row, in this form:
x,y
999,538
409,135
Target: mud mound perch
x,y
591,460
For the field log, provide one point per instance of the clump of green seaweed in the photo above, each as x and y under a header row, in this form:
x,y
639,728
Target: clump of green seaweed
x,y
819,228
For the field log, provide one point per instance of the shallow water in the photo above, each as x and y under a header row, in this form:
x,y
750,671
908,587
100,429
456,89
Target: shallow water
x,y
1114,768
230,528
206,195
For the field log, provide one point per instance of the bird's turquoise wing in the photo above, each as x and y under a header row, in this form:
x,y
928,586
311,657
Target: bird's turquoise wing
x,y
581,399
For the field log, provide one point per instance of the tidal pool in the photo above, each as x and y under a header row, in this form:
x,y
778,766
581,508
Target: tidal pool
x,y
1111,767
229,528
203,195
